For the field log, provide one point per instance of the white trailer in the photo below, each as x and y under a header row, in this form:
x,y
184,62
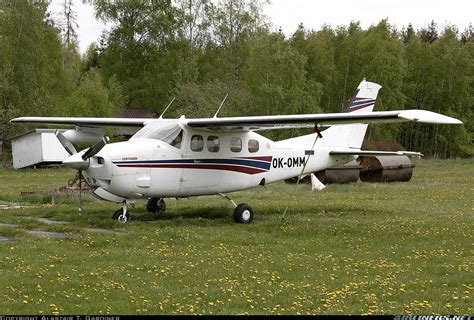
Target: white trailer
x,y
40,147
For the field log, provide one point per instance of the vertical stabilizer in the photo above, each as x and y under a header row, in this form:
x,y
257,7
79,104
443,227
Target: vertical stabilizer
x,y
364,98
352,135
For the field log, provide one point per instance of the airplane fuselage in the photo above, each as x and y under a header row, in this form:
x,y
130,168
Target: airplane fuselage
x,y
203,163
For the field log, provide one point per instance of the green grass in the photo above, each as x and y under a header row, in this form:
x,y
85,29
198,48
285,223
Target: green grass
x,y
398,248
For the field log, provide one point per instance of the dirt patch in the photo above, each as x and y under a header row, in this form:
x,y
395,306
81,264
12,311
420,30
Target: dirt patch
x,y
49,234
8,225
6,239
99,230
7,206
45,220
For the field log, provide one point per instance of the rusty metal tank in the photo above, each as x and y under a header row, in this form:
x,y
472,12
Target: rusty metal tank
x,y
386,169
344,173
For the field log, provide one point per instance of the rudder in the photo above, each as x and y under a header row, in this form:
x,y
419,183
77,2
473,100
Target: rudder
x,y
352,135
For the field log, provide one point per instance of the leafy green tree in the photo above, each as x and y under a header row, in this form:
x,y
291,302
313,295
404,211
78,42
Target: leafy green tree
x,y
195,100
429,33
31,66
408,33
319,50
233,23
276,77
92,98
195,36
137,49
439,79
468,34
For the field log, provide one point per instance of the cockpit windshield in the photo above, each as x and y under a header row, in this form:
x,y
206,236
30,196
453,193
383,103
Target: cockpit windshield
x,y
167,132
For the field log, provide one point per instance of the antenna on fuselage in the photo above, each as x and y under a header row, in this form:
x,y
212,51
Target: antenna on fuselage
x,y
222,103
167,107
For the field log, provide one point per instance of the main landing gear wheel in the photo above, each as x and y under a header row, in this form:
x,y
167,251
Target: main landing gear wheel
x,y
243,213
155,205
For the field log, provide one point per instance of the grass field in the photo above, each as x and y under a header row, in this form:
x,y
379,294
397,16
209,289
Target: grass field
x,y
398,248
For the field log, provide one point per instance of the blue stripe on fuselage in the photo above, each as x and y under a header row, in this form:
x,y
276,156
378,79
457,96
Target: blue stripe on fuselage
x,y
248,163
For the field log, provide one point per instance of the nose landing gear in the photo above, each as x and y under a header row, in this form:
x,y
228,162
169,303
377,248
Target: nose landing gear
x,y
122,215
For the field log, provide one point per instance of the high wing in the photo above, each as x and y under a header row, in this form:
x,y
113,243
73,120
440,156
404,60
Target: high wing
x,y
257,122
324,119
86,122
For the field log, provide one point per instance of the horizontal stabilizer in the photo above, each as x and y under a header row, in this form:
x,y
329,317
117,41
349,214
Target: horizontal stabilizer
x,y
349,152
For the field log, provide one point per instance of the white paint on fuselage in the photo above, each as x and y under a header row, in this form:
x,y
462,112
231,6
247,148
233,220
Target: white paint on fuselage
x,y
142,168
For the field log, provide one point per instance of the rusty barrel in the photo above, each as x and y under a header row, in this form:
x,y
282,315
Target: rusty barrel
x,y
386,169
344,173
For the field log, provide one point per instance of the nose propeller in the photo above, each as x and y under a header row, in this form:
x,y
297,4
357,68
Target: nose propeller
x,y
94,149
79,161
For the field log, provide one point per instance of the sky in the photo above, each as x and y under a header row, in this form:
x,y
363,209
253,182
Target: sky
x,y
288,14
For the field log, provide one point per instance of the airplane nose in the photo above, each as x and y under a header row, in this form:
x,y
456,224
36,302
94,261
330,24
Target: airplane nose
x,y
75,161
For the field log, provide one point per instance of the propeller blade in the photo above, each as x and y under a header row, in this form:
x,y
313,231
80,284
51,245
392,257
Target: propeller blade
x,y
65,143
94,149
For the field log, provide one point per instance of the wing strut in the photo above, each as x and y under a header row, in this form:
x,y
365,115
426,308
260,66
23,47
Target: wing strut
x,y
318,135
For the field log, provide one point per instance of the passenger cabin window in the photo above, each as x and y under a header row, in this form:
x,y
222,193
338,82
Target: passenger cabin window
x,y
197,143
235,144
253,145
213,144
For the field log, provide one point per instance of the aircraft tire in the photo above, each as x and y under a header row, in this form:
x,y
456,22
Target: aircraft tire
x,y
161,205
243,213
152,205
117,216
155,205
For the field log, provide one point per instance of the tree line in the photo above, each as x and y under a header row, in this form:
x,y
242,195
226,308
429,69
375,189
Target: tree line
x,y
200,50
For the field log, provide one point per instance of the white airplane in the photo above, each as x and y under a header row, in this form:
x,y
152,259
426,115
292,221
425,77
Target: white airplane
x,y
194,157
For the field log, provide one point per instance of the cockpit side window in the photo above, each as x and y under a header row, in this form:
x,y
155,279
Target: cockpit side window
x,y
177,141
168,132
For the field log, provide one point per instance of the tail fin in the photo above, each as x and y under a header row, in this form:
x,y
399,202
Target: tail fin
x,y
352,135
364,98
